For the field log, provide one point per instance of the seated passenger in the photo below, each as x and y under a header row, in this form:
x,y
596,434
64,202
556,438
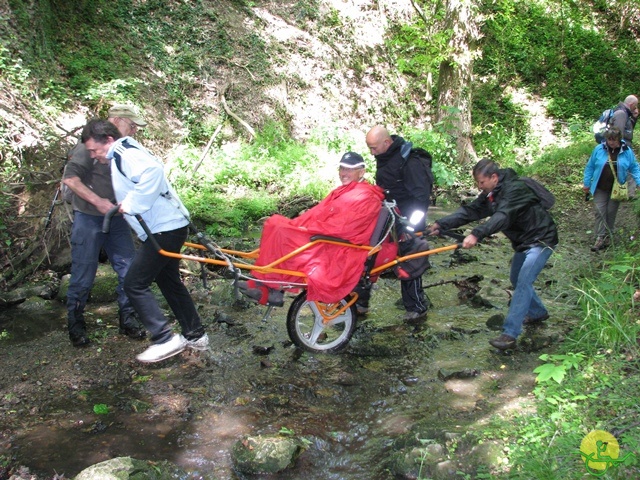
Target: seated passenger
x,y
349,212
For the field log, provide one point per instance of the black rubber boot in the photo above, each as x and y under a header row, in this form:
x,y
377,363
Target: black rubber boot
x,y
77,328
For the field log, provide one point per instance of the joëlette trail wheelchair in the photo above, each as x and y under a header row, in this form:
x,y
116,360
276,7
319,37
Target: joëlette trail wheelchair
x,y
313,326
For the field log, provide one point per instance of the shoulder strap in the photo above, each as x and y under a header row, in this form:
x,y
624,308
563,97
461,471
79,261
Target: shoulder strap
x,y
613,169
117,155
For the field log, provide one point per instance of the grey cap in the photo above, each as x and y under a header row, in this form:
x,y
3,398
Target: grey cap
x,y
127,111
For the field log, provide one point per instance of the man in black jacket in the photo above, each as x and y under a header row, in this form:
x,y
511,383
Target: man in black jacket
x,y
408,181
514,209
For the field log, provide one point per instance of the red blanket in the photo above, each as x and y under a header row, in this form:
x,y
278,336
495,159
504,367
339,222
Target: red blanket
x,y
349,212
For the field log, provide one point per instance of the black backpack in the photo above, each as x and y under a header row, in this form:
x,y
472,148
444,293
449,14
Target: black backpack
x,y
424,157
547,199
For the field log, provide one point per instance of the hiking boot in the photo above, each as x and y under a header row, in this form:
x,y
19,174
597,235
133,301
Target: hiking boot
x,y
77,328
534,321
503,342
131,326
80,341
162,351
412,316
199,344
601,243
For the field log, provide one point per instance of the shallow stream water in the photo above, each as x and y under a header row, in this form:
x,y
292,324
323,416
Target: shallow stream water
x,y
352,407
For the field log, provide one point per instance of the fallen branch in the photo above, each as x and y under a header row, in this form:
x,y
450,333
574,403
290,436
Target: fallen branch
x,y
207,148
236,117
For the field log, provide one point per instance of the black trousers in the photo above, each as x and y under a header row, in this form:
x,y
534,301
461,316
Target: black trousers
x,y
149,266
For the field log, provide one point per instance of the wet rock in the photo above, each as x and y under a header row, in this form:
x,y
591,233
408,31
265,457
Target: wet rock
x,y
35,304
104,286
275,401
265,454
401,389
61,296
221,317
408,381
488,453
344,379
98,427
445,375
125,468
536,343
417,462
445,469
135,405
172,404
19,295
495,322
261,350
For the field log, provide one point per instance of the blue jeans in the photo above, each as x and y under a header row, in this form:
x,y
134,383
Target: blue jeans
x,y
86,241
525,267
148,266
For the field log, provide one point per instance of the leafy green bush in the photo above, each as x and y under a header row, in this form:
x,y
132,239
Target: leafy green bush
x,y
606,302
531,45
442,147
562,164
235,187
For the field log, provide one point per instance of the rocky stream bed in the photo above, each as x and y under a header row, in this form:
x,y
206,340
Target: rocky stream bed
x,y
402,400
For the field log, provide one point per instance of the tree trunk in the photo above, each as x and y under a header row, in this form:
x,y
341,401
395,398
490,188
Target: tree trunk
x,y
456,73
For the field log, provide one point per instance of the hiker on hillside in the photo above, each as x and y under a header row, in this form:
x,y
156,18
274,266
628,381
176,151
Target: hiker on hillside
x,y
609,160
624,118
515,210
141,188
93,197
408,181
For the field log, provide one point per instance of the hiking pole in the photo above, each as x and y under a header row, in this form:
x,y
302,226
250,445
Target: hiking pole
x,y
55,197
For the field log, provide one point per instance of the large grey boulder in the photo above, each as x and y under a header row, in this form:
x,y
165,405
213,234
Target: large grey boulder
x,y
265,453
127,468
16,296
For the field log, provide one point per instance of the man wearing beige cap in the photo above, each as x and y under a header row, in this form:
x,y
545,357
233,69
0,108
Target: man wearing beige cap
x,y
93,197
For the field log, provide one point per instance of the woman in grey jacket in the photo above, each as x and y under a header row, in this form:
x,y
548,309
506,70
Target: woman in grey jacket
x,y
599,175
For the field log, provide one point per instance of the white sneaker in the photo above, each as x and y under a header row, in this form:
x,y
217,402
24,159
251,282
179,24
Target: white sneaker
x,y
199,344
161,351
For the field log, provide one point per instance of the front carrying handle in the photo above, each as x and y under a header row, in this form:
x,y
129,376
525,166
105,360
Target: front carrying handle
x,y
106,223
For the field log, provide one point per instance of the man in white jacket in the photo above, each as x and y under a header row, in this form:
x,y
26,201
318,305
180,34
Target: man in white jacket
x,y
141,188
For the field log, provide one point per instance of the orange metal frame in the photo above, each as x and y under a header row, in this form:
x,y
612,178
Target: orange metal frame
x,y
272,267
328,311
